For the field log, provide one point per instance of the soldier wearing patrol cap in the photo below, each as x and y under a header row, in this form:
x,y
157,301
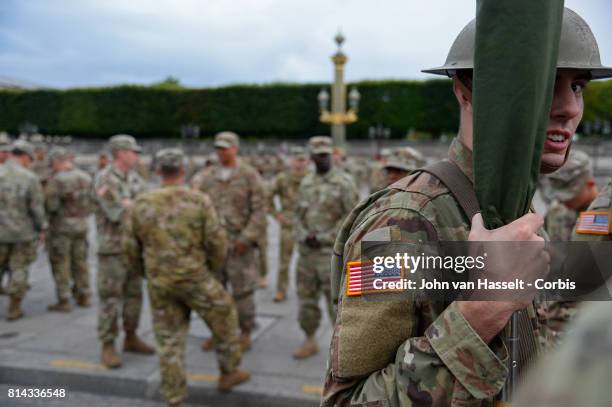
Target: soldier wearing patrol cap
x,y
174,238
119,288
401,162
22,221
68,204
237,191
325,197
285,186
5,147
378,180
408,353
40,165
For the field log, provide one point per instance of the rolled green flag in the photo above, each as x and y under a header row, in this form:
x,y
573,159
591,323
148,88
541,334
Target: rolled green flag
x,y
515,57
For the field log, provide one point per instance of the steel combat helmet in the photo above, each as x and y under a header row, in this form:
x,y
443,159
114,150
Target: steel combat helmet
x,y
578,49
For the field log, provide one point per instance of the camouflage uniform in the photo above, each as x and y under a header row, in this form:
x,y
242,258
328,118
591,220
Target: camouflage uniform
x,y
323,202
22,218
240,204
117,285
403,353
68,203
578,373
174,238
285,186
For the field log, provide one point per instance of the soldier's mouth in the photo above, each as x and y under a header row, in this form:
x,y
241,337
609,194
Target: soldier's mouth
x,y
557,140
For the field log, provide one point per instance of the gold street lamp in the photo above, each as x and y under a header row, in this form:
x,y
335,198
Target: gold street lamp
x,y
339,117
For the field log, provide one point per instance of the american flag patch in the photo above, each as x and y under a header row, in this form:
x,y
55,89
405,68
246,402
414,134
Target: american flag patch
x,y
593,223
361,277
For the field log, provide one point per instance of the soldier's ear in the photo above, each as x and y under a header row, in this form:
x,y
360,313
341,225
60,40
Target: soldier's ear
x,y
463,94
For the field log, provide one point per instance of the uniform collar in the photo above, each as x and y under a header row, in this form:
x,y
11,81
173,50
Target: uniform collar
x,y
120,174
459,154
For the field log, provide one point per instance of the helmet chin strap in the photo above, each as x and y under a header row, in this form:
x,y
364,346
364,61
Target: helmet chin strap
x,y
549,169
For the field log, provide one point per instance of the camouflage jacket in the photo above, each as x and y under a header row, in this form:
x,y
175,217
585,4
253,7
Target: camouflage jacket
x,y
560,221
400,352
240,200
286,186
323,203
603,204
579,372
110,188
42,169
68,201
173,234
22,212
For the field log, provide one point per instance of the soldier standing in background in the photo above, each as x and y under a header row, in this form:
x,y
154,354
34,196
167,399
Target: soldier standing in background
x,y
114,190
68,204
378,179
286,186
573,188
325,197
401,162
238,194
173,237
40,166
5,147
22,221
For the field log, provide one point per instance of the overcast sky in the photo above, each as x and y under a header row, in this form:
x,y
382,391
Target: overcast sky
x,y
69,43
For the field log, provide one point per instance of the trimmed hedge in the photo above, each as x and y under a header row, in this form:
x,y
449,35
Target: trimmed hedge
x,y
254,111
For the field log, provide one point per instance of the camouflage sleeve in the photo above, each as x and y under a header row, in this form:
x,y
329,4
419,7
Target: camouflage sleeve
x,y
130,244
215,237
603,203
108,200
445,364
52,198
349,198
256,224
37,206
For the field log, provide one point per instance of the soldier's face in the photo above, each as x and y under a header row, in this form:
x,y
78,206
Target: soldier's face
x,y
323,162
129,158
227,155
393,175
565,115
299,164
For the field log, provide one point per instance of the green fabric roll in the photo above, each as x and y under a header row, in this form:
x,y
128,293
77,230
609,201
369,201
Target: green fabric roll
x,y
517,43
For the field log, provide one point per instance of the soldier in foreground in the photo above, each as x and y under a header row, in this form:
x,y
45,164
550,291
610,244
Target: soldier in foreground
x,y
404,353
119,288
22,221
68,204
325,197
286,186
237,191
173,237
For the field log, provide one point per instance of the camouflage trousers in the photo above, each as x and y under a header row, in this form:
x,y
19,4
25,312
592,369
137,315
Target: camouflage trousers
x,y
241,272
312,279
118,288
287,242
171,305
17,257
68,258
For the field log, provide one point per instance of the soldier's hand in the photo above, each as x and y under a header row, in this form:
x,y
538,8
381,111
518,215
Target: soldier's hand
x,y
240,247
313,242
42,238
281,219
510,257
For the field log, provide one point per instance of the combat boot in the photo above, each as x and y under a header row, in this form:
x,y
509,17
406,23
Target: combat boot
x,y
308,349
245,341
229,380
82,300
61,306
280,296
134,344
14,309
208,345
110,357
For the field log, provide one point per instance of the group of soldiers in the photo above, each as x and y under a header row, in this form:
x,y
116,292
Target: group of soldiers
x,y
200,243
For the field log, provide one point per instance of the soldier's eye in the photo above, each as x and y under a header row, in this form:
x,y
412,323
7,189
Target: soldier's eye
x,y
579,86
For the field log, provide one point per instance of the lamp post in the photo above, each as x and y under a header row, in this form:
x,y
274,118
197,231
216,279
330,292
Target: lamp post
x,y
339,117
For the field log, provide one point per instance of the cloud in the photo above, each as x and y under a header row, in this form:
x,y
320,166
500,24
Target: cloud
x,y
67,43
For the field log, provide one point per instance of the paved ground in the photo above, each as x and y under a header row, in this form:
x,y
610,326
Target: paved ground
x,y
61,350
